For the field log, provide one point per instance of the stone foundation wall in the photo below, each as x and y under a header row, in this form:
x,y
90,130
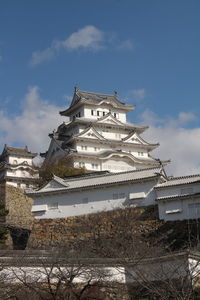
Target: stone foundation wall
x,y
82,229
19,208
19,219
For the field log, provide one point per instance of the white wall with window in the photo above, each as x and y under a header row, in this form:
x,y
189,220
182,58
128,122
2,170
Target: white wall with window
x,y
101,111
19,160
178,190
92,200
179,202
179,209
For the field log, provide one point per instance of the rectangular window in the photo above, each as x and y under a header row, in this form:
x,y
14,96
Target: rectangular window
x,y
117,135
118,196
194,210
122,195
98,113
81,164
95,166
52,205
83,147
115,115
85,200
104,113
173,211
186,191
92,112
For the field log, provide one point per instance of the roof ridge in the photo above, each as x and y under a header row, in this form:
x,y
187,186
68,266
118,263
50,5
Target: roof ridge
x,y
12,147
118,173
59,180
97,93
181,177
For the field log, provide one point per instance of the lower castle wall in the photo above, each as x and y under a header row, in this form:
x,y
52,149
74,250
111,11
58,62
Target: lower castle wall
x,y
48,233
19,208
19,219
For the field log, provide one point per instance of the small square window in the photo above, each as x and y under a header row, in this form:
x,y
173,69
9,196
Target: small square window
x,y
85,200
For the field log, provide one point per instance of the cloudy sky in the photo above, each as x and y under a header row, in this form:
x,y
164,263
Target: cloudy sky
x,y
147,50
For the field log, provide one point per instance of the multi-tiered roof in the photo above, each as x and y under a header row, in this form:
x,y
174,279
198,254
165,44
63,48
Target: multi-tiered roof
x,y
16,167
99,137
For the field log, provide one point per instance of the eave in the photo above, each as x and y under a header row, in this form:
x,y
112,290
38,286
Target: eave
x,y
139,129
19,179
170,184
69,110
62,191
149,147
116,153
177,197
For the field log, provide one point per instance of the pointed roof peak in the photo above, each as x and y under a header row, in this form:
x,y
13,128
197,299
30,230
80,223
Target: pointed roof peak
x,y
20,151
93,98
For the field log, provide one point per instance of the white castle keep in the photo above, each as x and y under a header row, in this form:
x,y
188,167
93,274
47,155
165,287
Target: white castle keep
x,y
99,137
17,169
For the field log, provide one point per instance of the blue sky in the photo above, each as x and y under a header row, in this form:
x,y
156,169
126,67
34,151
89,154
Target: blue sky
x,y
147,50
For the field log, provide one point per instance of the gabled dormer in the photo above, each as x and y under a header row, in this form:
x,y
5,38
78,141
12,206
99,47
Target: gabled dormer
x,y
135,138
110,118
90,133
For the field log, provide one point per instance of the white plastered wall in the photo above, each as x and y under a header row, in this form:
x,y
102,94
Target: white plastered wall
x,y
179,209
93,200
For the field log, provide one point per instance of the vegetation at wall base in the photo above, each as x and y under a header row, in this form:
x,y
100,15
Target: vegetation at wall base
x,y
60,168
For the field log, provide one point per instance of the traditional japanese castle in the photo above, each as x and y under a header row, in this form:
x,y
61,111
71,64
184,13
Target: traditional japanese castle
x,y
98,136
16,167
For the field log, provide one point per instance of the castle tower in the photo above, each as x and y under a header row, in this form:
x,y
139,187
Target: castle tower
x,y
16,167
99,137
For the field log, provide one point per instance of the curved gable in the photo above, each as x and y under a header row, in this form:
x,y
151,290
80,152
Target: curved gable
x,y
109,119
136,139
90,133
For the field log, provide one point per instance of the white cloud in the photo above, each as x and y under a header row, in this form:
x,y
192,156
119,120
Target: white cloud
x,y
41,56
37,119
136,94
177,143
88,38
126,45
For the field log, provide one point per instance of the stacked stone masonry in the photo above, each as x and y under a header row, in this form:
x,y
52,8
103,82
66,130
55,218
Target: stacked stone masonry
x,y
67,231
18,206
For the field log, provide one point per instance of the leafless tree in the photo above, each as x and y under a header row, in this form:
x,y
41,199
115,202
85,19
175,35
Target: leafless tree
x,y
58,278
